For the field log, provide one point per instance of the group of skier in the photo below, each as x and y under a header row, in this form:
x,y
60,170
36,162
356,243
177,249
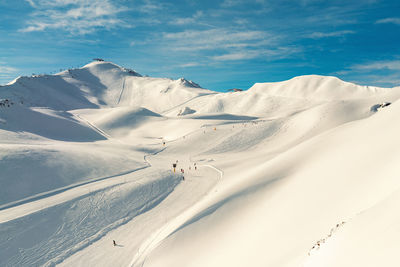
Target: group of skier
x,y
182,170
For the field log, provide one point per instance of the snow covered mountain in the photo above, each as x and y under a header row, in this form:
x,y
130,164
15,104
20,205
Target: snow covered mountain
x,y
302,172
100,84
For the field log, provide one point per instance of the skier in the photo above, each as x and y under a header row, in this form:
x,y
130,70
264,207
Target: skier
x,y
174,166
114,243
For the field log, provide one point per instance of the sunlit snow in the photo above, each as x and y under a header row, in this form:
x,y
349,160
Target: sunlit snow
x,y
303,172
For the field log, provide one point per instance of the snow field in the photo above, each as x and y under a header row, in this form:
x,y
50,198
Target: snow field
x,y
86,158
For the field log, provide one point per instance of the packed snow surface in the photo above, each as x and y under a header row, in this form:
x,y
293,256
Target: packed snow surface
x,y
303,172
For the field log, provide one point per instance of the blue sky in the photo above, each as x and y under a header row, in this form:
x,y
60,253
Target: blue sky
x,y
218,44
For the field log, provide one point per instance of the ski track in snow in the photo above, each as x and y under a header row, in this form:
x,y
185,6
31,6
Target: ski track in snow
x,y
84,194
61,190
157,238
147,246
122,91
97,129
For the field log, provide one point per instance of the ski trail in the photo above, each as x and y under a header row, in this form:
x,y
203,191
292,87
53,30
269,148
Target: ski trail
x,y
181,104
159,236
132,88
94,127
122,91
67,189
33,204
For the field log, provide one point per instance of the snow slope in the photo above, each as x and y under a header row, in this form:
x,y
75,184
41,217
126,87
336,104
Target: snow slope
x,y
287,204
296,173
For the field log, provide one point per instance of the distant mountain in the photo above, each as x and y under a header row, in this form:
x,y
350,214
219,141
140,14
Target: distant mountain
x,y
282,98
100,84
317,87
105,84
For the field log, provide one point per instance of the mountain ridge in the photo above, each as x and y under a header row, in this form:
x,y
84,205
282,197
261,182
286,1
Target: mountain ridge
x,y
106,84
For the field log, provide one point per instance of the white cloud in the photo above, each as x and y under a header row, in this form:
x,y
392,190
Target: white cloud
x,y
384,80
150,6
74,16
7,73
381,73
192,40
225,44
31,2
190,64
389,20
318,35
389,80
188,20
237,56
8,70
230,3
281,52
378,65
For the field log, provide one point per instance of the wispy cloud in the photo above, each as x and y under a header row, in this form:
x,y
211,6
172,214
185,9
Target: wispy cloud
x,y
74,16
378,65
319,35
190,64
6,73
187,20
31,2
279,53
237,56
7,70
223,44
382,73
387,80
230,3
389,20
150,6
213,39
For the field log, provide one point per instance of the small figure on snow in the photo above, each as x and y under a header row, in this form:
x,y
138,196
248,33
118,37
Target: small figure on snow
x,y
114,243
174,166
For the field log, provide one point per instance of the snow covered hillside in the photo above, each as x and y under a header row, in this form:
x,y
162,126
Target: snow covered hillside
x,y
302,172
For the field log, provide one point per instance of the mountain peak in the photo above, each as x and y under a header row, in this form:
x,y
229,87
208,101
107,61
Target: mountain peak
x,y
188,83
102,66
